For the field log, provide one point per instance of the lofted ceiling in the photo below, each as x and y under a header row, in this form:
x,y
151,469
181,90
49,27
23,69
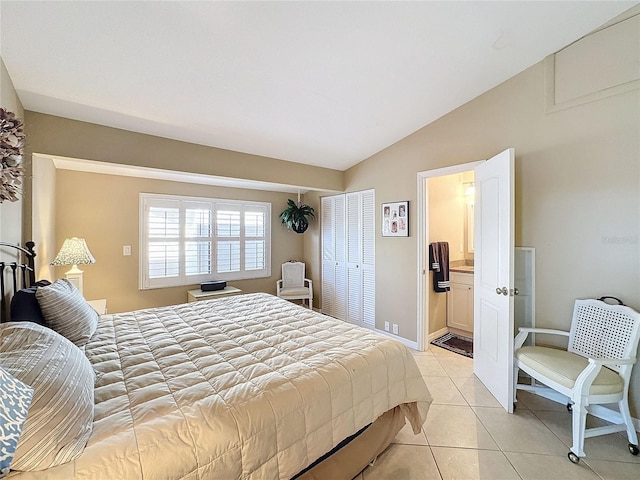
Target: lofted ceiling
x,y
320,83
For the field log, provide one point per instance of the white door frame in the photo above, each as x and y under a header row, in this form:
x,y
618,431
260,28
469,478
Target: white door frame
x,y
423,242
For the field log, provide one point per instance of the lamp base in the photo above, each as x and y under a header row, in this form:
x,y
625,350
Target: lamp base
x,y
75,277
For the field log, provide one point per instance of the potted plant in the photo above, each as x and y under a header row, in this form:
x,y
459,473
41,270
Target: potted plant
x,y
297,215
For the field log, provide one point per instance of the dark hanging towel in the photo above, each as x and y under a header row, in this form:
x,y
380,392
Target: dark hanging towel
x,y
439,264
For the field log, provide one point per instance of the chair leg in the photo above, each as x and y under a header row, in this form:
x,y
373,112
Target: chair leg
x,y
623,405
579,423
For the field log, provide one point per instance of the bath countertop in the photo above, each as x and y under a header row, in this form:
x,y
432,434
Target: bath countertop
x,y
462,269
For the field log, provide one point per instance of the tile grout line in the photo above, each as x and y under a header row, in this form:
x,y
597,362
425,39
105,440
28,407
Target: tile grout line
x,y
535,414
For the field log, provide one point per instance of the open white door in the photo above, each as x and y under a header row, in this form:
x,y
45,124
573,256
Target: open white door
x,y
494,279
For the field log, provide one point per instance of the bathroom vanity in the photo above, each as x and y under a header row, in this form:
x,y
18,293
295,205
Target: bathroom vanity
x,y
460,299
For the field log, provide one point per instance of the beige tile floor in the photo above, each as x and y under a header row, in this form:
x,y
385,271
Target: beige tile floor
x,y
468,436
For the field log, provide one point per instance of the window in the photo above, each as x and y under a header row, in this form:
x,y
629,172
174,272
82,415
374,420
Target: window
x,y
186,240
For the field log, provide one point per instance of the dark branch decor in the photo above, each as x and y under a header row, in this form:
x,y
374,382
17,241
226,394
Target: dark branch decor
x,y
11,142
297,215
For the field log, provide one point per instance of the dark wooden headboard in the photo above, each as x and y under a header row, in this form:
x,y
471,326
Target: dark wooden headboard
x,y
15,275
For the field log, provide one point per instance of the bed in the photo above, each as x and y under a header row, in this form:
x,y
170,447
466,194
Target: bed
x,y
250,387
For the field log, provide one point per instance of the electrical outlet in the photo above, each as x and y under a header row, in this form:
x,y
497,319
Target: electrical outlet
x,y
126,250
395,329
386,326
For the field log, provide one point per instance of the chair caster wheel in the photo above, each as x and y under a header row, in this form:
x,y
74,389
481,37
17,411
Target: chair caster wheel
x,y
573,457
569,407
633,449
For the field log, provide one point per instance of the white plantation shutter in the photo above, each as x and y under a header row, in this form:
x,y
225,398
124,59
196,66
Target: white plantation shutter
x,y
228,235
198,239
255,230
163,241
186,240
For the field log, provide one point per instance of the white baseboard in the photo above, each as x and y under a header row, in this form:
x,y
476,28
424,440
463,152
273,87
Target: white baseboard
x,y
408,343
437,334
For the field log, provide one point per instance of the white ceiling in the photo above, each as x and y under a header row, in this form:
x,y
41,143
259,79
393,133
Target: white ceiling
x,y
322,83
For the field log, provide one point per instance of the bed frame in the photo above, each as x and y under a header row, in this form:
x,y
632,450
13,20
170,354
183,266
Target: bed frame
x,y
15,275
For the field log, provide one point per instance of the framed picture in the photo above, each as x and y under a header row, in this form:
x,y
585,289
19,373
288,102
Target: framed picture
x,y
395,219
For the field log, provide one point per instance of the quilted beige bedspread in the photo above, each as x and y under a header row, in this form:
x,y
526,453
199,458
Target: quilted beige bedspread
x,y
250,387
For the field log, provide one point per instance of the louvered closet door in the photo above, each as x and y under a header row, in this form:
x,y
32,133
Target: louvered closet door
x,y
348,257
334,289
354,258
368,264
328,256
340,270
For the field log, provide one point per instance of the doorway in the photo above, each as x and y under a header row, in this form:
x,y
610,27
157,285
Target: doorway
x,y
450,209
432,307
493,286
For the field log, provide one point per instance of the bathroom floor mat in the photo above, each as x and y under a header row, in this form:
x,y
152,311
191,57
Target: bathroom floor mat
x,y
455,343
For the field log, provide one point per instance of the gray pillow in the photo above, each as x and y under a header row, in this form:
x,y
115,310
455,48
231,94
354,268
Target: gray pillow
x,y
60,417
67,312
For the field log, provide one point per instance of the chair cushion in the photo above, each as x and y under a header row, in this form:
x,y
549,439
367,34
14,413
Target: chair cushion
x,y
293,274
564,367
287,291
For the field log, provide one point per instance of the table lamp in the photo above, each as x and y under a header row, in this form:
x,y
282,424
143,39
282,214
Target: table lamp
x,y
74,252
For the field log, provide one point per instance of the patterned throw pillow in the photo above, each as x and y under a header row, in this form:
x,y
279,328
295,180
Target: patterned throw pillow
x,y
60,418
67,312
15,398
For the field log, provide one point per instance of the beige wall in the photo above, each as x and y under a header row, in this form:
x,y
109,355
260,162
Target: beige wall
x,y
51,135
446,224
10,212
577,195
446,213
43,219
8,97
70,138
104,210
577,192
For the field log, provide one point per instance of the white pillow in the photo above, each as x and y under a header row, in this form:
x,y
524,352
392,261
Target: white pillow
x,y
60,417
67,312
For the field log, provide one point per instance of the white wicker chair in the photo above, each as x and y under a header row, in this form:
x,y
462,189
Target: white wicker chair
x,y
293,285
595,369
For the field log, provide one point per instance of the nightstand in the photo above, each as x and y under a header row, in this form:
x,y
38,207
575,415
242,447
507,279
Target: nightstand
x,y
197,294
99,306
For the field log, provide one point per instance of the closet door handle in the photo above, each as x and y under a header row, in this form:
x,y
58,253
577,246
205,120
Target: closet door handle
x,y
502,291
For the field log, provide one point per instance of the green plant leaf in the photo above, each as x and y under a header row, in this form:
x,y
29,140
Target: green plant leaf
x,y
294,216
